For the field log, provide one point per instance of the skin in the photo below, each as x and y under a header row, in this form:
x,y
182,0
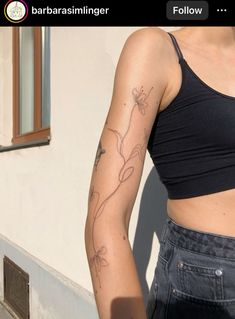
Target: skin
x,y
148,77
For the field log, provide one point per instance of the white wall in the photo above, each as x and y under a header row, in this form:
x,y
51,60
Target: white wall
x,y
5,86
51,294
44,190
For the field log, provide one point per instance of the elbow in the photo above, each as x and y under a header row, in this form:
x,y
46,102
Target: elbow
x,y
108,229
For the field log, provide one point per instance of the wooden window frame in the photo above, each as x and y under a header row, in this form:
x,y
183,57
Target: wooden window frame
x,y
38,133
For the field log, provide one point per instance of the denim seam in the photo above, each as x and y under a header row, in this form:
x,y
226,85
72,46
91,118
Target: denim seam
x,y
199,253
219,287
155,291
164,232
202,301
204,270
168,301
162,259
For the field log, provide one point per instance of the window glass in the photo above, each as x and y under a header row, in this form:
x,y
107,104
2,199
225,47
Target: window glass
x,y
45,76
26,74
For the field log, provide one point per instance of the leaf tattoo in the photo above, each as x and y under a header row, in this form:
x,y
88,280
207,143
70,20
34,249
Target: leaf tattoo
x,y
98,260
99,153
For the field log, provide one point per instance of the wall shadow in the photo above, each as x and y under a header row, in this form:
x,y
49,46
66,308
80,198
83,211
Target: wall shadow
x,y
152,215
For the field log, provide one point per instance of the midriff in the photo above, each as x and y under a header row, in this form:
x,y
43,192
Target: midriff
x,y
213,213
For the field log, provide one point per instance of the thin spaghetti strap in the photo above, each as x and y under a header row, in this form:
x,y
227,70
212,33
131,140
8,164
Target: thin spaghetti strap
x,y
176,45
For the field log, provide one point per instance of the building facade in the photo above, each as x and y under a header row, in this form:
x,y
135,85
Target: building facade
x,y
55,91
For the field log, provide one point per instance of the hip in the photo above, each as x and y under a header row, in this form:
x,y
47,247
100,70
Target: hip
x,y
194,275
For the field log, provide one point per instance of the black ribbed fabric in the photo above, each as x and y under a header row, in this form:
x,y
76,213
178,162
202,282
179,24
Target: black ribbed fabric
x,y
192,143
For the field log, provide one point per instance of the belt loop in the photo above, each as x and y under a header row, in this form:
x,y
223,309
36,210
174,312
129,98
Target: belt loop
x,y
164,231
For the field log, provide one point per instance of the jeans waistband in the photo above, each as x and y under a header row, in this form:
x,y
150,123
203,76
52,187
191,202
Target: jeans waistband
x,y
199,241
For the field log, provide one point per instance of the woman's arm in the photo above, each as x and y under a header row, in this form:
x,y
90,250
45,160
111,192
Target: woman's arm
x,y
139,85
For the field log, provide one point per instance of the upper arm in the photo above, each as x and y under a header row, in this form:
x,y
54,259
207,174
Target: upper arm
x,y
139,84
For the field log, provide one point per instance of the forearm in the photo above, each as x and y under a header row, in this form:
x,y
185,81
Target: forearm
x,y
116,284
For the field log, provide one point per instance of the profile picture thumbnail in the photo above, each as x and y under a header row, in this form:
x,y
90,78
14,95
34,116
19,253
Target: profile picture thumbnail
x,y
16,11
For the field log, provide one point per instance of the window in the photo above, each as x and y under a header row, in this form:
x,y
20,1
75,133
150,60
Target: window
x,y
31,84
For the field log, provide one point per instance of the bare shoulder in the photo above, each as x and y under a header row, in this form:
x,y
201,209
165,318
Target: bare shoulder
x,y
145,53
147,48
153,40
150,33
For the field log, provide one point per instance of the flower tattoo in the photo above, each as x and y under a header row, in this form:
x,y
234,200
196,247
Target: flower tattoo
x,y
99,259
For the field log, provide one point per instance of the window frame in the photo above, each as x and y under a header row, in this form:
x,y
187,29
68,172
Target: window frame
x,y
38,133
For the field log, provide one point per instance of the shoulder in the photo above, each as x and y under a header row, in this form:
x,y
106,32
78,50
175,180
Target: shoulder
x,y
147,47
150,34
145,57
148,40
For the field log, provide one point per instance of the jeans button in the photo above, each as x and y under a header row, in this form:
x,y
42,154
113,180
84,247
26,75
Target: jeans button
x,y
218,272
180,264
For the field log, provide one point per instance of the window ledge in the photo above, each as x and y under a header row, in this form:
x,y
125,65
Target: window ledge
x,y
41,142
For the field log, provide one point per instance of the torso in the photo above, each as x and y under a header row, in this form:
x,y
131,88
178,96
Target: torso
x,y
214,213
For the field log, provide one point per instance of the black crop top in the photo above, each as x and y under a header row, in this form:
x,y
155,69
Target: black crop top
x,y
192,142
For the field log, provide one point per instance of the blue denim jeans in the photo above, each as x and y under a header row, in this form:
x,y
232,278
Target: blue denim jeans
x,y
194,277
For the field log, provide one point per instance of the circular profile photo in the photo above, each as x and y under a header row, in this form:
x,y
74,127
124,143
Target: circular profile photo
x,y
16,11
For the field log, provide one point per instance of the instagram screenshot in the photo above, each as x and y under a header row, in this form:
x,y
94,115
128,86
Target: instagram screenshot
x,y
117,149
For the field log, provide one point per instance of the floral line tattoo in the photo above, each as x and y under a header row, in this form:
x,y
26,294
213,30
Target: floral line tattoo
x,y
126,171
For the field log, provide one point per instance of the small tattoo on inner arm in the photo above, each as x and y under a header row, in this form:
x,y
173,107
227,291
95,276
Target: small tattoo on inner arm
x,y
100,151
98,260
